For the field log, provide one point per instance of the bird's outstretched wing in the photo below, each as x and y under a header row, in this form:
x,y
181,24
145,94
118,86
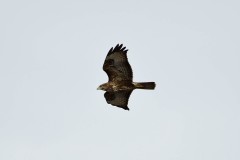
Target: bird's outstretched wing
x,y
116,64
118,98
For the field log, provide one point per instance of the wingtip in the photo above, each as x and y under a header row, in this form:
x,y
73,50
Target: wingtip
x,y
123,107
117,48
111,49
126,108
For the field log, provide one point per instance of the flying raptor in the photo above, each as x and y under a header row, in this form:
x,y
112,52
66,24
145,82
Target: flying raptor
x,y
120,78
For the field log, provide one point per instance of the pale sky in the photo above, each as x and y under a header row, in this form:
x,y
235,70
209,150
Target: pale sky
x,y
51,58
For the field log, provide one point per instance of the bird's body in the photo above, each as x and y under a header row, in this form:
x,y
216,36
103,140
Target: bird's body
x,y
126,85
120,84
117,86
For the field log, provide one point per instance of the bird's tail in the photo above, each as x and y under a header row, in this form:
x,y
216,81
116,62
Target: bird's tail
x,y
144,85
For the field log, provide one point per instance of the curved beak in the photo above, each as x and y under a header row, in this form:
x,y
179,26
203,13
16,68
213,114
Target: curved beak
x,y
99,88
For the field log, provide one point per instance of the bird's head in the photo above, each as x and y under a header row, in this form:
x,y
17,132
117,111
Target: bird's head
x,y
103,87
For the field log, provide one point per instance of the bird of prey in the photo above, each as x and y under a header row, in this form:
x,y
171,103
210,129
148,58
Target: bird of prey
x,y
120,78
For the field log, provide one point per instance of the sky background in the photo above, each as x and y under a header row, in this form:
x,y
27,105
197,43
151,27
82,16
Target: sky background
x,y
51,57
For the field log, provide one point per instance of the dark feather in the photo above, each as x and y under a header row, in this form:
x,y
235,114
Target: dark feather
x,y
116,64
118,98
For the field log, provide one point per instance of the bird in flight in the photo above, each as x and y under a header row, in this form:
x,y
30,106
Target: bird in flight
x,y
120,78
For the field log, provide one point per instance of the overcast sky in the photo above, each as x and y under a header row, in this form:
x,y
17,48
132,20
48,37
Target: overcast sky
x,y
51,57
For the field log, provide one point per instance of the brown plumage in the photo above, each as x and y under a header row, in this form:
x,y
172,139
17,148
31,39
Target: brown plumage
x,y
120,78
